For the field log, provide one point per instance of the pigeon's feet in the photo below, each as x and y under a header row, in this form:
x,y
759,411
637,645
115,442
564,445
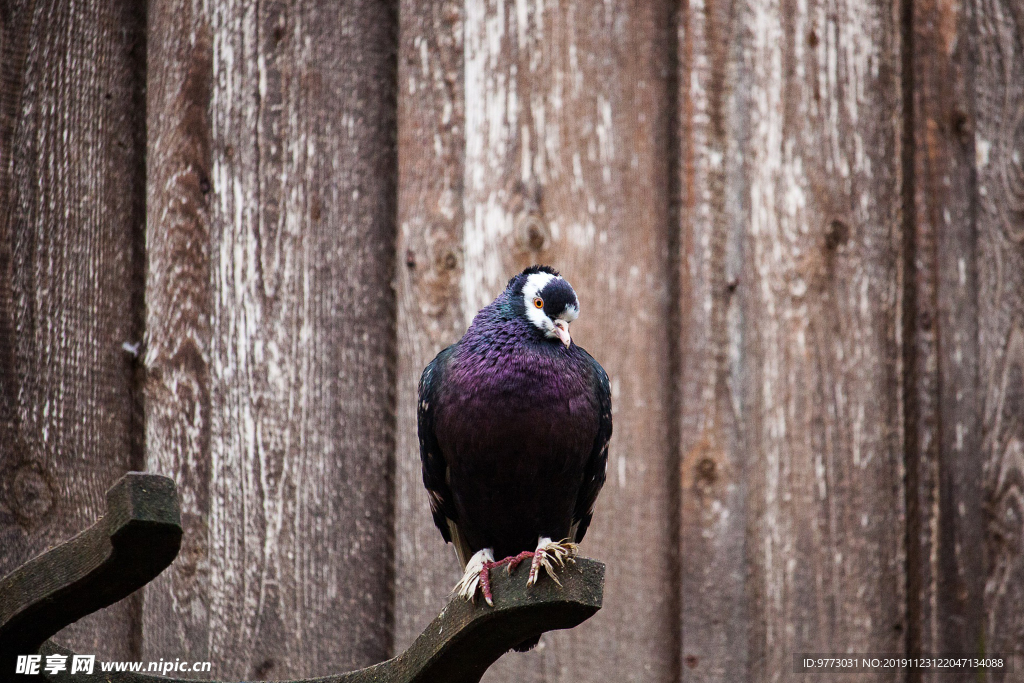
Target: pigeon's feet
x,y
547,555
477,576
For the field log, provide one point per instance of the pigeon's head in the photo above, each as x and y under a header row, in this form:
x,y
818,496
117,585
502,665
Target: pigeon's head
x,y
543,297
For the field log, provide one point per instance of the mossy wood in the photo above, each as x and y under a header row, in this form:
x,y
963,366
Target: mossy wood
x,y
140,536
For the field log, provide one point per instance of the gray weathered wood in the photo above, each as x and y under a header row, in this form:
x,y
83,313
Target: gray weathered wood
x,y
793,525
271,331
998,126
967,561
850,293
179,291
714,221
944,417
71,203
534,134
431,139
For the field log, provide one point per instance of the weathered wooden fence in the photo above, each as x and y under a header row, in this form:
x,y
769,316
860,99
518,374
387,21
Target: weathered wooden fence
x,y
232,234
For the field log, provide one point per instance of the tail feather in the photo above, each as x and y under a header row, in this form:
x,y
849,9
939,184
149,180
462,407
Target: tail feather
x,y
462,548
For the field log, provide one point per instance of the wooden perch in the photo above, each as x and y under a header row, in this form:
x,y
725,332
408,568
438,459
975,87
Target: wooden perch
x,y
122,552
140,536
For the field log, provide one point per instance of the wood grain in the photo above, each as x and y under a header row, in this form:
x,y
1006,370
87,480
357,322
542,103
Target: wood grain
x,y
998,95
824,387
136,538
431,139
946,508
967,566
563,164
457,646
271,347
713,222
179,292
836,307
793,524
71,202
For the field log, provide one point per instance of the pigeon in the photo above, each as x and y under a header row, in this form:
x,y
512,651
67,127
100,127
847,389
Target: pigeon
x,y
514,421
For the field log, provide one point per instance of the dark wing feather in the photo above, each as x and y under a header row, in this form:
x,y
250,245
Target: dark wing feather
x,y
435,468
597,465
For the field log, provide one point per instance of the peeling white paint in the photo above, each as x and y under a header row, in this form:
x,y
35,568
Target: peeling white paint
x,y
982,148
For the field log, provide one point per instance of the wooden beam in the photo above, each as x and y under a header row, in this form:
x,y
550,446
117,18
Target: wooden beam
x,y
462,641
140,535
124,550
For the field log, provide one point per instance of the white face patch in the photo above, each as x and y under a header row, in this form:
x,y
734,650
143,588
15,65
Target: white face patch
x,y
534,284
570,313
553,327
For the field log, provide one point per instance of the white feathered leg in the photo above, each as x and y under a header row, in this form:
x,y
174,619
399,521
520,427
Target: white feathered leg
x,y
478,565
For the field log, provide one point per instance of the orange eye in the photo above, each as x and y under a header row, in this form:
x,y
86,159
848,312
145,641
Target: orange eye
x,y
538,302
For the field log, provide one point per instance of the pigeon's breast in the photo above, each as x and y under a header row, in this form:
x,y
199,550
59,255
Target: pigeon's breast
x,y
516,436
538,405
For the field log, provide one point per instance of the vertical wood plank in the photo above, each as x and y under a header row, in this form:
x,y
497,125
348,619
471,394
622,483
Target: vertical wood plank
x,y
946,509
714,219
71,202
593,134
824,386
279,333
969,226
564,163
179,292
791,402
999,167
431,142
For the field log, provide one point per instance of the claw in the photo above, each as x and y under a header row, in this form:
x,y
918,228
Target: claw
x,y
550,555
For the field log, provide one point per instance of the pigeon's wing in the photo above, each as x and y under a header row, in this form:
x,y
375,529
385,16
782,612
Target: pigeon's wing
x,y
435,467
597,464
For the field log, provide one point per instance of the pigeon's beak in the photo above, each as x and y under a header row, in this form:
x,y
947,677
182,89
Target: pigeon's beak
x,y
562,330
